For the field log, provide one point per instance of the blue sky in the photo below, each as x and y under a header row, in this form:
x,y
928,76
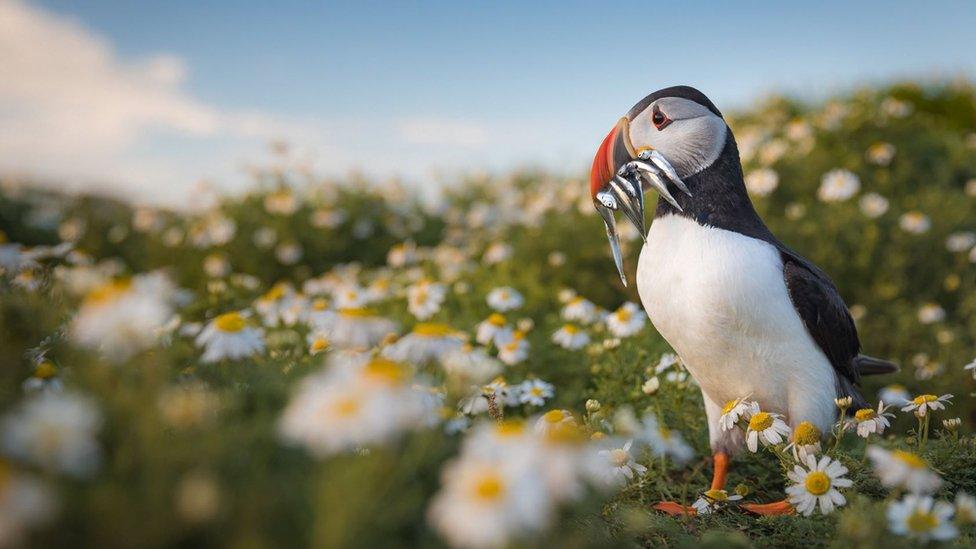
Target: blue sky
x,y
395,89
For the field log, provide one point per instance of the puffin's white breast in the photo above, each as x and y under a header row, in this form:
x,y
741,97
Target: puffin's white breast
x,y
719,298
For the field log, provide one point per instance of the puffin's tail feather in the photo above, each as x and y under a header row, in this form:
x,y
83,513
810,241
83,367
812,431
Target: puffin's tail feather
x,y
846,388
870,366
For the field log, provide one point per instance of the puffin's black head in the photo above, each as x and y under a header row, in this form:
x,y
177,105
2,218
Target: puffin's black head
x,y
671,134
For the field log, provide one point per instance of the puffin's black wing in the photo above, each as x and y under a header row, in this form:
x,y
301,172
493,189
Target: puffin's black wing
x,y
826,318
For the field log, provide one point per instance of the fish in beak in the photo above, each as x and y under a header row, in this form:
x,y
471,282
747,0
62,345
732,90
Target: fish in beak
x,y
617,181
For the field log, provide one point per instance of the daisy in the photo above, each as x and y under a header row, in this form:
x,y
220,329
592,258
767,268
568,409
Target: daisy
x,y
427,341
277,304
554,420
766,427
921,518
817,483
960,241
317,314
931,313
737,409
488,329
761,182
349,296
403,254
358,401
904,469
505,299
496,253
922,403
869,421
838,185
570,337
424,299
626,321
124,316
44,379
25,502
805,440
873,205
228,336
651,385
512,347
881,153
580,310
489,503
712,500
896,394
621,465
317,343
666,361
56,431
358,328
467,365
971,367
664,441
535,392
914,222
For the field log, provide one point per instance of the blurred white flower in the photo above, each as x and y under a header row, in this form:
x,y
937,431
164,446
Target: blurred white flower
x,y
358,401
971,367
931,313
899,468
734,410
817,483
571,337
55,431
424,299
838,185
281,202
713,500
496,253
403,254
664,441
427,341
229,337
627,320
467,365
580,309
25,503
761,182
512,346
124,316
895,394
881,153
914,222
488,329
289,253
960,241
921,518
505,299
357,328
873,205
896,108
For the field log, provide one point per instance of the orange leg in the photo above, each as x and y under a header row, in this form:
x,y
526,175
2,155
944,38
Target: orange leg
x,y
721,469
770,509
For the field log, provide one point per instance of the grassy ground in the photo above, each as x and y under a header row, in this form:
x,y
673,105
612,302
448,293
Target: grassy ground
x,y
191,453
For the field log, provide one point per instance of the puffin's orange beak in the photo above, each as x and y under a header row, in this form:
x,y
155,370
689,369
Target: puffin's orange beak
x,y
615,151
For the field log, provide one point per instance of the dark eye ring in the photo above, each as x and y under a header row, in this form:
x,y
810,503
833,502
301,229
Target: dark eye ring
x,y
660,119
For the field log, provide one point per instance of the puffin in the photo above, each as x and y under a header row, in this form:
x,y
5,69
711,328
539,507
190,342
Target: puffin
x,y
747,315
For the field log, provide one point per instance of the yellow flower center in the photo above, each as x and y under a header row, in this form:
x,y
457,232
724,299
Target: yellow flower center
x,y
433,329
729,405
385,371
108,292
357,312
664,432
45,370
923,399
570,329
489,487
619,457
865,414
623,314
230,322
909,459
345,407
275,293
496,320
806,433
717,495
817,483
921,522
510,428
761,421
320,344
553,416
320,304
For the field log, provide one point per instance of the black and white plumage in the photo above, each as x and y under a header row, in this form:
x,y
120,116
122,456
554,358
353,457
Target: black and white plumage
x,y
747,315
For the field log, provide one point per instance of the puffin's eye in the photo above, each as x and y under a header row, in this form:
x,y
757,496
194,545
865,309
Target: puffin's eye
x,y
659,119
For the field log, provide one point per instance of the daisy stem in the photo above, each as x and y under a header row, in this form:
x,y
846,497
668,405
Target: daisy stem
x,y
925,431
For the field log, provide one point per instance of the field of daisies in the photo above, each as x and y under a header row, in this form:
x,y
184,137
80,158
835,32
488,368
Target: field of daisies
x,y
343,364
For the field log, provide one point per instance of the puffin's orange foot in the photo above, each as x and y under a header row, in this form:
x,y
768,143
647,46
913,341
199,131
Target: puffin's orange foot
x,y
674,509
770,509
